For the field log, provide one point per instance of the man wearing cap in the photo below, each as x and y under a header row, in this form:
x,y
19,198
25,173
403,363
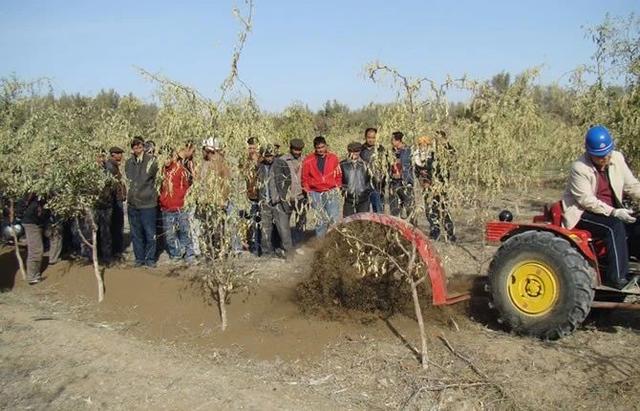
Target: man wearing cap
x,y
375,157
322,180
117,214
297,197
214,180
140,170
274,180
214,173
593,201
356,182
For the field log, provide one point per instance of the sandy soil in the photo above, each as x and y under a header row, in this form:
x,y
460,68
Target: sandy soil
x,y
50,360
155,343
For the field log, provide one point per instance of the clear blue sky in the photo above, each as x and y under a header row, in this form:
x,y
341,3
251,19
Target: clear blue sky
x,y
308,51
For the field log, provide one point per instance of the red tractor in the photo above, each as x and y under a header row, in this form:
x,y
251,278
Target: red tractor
x,y
544,279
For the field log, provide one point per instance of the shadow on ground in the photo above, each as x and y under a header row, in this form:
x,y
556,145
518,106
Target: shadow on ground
x,y
604,320
478,307
9,268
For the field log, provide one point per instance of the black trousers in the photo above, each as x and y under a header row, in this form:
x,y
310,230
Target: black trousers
x,y
103,218
117,228
437,213
354,205
400,199
275,216
299,208
620,239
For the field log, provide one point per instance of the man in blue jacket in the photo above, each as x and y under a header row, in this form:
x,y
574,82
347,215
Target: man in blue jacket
x,y
401,178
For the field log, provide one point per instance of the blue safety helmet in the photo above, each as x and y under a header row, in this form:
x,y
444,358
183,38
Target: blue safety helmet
x,y
598,141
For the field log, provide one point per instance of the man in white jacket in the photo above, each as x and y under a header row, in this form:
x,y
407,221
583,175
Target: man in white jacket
x,y
593,201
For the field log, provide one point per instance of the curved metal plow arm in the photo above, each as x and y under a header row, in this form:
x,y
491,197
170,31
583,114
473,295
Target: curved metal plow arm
x,y
426,251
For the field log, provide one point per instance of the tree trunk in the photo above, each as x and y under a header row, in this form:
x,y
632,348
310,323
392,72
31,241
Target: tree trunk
x,y
94,251
96,265
423,336
222,295
18,255
416,305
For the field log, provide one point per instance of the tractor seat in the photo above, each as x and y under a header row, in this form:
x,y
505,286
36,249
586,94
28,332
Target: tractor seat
x,y
552,214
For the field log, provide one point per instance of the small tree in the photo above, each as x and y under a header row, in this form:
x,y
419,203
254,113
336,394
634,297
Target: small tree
x,y
219,235
64,163
379,259
608,89
216,196
18,101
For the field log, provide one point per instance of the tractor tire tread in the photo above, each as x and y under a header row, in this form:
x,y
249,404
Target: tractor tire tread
x,y
561,251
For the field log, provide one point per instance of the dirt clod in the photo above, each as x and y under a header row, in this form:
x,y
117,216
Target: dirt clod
x,y
337,282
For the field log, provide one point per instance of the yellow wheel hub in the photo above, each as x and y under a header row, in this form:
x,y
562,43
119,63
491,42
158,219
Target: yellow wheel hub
x,y
533,287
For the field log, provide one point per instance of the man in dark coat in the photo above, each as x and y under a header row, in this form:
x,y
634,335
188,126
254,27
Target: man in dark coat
x,y
274,181
117,216
297,196
356,182
141,170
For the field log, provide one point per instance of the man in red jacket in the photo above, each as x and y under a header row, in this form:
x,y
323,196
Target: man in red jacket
x,y
321,180
175,219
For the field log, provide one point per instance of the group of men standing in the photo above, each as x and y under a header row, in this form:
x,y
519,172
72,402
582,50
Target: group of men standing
x,y
280,189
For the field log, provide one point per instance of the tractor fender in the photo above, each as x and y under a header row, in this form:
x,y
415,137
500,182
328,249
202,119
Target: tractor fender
x,y
426,251
499,231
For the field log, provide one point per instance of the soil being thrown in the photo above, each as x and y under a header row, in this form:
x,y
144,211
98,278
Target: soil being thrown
x,y
353,270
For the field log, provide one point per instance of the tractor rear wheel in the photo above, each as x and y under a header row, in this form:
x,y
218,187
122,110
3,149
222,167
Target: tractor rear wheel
x,y
540,285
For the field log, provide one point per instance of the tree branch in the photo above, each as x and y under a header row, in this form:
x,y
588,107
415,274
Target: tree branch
x,y
375,247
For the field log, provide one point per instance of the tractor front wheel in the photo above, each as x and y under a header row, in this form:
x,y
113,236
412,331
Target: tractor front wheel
x,y
540,285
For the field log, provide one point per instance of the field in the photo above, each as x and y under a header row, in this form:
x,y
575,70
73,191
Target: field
x,y
155,343
157,339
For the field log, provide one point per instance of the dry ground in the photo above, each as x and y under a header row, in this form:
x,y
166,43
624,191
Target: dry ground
x,y
155,343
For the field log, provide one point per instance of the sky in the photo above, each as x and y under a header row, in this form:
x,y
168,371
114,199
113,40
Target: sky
x,y
298,51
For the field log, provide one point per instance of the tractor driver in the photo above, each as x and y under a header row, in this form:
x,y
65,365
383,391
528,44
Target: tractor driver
x,y
592,201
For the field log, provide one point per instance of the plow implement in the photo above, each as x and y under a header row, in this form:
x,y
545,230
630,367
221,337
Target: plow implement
x,y
426,251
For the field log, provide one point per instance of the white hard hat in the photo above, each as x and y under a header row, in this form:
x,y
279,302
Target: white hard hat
x,y
211,143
